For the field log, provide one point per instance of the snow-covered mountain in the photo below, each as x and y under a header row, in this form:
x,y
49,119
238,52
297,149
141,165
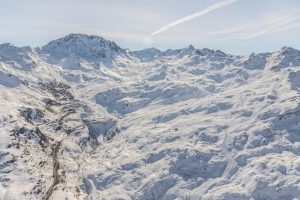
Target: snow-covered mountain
x,y
82,118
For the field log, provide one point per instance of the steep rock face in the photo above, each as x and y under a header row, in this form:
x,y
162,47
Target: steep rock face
x,y
90,120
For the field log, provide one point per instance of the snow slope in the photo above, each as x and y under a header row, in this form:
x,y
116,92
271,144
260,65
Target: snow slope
x,y
82,118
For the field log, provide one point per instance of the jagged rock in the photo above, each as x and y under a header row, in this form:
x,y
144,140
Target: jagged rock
x,y
30,134
32,114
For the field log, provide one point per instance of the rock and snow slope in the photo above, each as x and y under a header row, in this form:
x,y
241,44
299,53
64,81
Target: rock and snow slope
x,y
82,118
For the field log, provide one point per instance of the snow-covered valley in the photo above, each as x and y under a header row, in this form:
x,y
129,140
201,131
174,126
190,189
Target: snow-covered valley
x,y
82,118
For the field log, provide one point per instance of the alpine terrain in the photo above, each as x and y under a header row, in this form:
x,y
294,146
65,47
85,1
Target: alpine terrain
x,y
82,118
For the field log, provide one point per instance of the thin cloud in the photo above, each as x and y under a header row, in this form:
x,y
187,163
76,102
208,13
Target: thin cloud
x,y
229,31
276,24
270,24
205,11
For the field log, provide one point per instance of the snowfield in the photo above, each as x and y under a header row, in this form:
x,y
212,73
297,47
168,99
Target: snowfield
x,y
82,118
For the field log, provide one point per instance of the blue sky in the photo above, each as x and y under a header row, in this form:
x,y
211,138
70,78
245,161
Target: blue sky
x,y
242,27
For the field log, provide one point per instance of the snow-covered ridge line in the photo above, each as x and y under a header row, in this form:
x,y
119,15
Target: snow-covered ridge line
x,y
80,43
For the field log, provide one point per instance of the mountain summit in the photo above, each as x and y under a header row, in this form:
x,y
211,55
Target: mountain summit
x,y
89,47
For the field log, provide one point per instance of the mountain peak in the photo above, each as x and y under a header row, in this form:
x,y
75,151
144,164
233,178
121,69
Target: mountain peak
x,y
12,47
7,45
190,50
151,49
9,52
289,50
80,37
88,47
191,47
147,54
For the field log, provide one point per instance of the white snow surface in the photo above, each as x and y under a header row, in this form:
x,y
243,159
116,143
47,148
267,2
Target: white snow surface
x,y
82,118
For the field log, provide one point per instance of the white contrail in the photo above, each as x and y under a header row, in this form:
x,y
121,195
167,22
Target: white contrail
x,y
205,11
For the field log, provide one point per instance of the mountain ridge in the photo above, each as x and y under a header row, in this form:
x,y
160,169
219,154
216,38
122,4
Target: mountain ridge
x,y
175,124
100,39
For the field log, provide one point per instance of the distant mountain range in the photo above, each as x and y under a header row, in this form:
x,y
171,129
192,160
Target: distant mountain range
x,y
83,118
